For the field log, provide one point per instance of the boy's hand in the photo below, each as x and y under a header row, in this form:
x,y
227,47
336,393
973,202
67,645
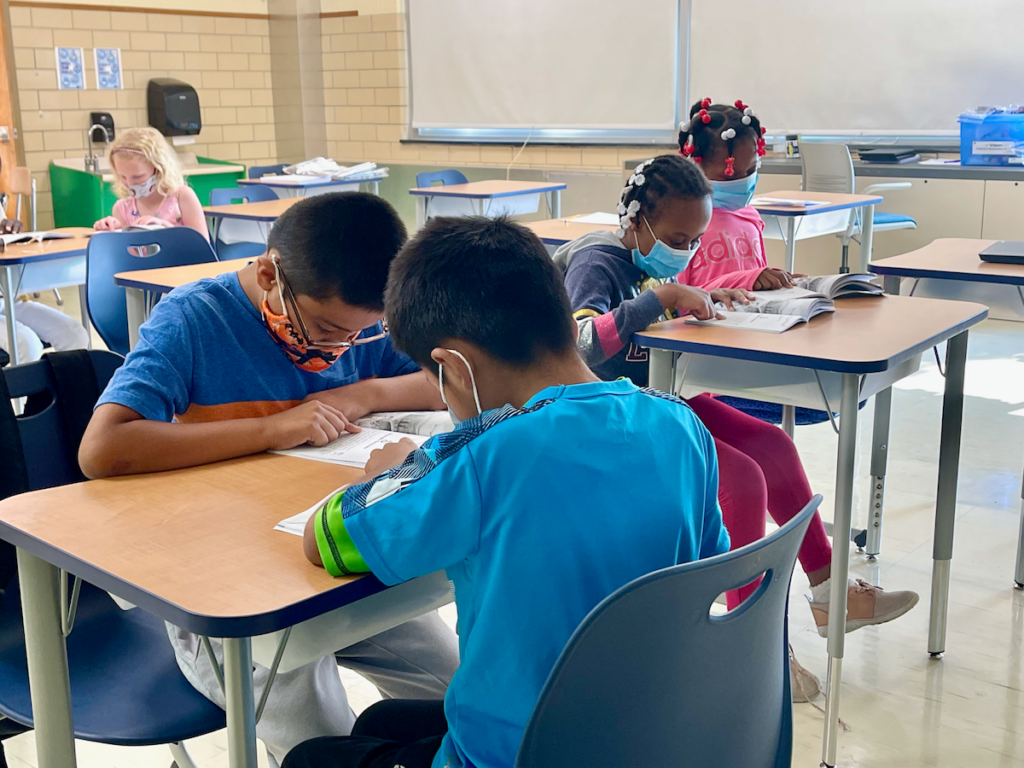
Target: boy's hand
x,y
728,295
107,224
687,299
391,455
772,279
312,423
353,400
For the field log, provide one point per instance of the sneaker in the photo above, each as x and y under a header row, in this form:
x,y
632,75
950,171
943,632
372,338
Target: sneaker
x,y
804,686
866,604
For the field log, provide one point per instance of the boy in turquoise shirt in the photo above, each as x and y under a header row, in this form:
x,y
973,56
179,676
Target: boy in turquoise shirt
x,y
556,489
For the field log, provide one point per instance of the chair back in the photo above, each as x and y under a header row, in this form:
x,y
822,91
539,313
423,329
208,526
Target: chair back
x,y
23,185
112,252
255,193
651,677
259,171
827,168
445,177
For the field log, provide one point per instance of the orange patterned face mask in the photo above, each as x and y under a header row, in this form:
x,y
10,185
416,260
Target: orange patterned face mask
x,y
291,342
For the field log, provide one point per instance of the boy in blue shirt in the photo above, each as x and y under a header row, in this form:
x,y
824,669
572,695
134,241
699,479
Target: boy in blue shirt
x,y
556,489
289,350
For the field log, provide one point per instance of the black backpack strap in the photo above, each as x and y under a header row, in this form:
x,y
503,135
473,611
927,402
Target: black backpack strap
x,y
77,393
13,475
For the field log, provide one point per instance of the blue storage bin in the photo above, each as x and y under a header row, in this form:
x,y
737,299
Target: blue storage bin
x,y
996,138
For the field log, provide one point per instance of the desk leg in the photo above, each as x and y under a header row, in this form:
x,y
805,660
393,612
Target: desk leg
x,y
840,562
891,284
789,420
1018,574
879,460
212,224
661,365
240,707
789,230
374,188
136,298
7,278
47,662
945,503
421,211
555,204
867,231
84,310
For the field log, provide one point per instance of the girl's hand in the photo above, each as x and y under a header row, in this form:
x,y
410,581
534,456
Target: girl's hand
x,y
107,224
151,220
728,295
772,279
687,299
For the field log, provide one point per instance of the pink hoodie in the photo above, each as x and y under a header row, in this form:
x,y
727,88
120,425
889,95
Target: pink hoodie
x,y
731,252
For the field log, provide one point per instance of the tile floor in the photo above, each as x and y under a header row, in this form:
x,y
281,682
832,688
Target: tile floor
x,y
902,708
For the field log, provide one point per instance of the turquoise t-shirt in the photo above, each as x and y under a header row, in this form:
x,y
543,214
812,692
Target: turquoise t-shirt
x,y
537,514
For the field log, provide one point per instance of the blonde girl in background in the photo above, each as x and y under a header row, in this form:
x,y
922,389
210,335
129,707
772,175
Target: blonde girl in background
x,y
148,179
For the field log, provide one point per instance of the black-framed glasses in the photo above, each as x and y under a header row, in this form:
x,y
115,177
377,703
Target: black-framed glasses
x,y
291,308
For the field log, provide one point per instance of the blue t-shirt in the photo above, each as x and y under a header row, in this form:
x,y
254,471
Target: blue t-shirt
x,y
537,514
205,355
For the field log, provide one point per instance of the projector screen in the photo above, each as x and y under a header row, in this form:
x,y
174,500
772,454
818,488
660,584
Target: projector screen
x,y
877,67
579,66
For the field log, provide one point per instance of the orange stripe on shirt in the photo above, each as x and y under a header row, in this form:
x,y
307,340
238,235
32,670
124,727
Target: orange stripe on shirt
x,y
198,414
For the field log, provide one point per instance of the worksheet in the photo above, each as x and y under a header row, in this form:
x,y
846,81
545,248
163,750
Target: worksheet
x,y
351,450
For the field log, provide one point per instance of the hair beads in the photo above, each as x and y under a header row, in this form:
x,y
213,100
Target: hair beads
x,y
628,212
710,123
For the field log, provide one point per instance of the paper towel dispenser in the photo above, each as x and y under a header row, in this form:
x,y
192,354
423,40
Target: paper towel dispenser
x,y
173,107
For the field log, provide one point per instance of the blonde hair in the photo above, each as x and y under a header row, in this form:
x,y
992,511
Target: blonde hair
x,y
150,145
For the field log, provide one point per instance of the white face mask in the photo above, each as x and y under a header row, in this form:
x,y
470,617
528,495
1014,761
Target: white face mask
x,y
145,189
472,380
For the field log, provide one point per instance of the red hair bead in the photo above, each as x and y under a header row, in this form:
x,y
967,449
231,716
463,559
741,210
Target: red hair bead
x,y
729,161
704,116
740,105
698,159
706,102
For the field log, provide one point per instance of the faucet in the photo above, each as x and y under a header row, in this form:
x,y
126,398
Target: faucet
x,y
92,163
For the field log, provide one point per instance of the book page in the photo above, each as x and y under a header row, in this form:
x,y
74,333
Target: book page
x,y
805,307
835,286
296,524
597,218
351,450
748,321
426,423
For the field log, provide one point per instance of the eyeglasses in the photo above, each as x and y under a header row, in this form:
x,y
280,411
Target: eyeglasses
x,y
291,308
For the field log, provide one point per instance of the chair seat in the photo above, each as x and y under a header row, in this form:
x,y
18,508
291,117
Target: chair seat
x,y
894,221
126,688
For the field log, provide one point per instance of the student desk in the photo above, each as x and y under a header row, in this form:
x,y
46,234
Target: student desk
x,y
286,188
790,217
263,213
139,283
33,267
957,259
557,232
197,548
486,192
863,335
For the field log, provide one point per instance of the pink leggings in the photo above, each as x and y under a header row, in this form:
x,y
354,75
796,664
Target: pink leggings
x,y
759,468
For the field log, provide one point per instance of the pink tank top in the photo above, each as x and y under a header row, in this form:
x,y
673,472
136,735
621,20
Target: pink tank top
x,y
128,212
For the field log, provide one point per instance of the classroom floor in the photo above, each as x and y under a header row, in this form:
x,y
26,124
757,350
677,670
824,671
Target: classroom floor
x,y
902,708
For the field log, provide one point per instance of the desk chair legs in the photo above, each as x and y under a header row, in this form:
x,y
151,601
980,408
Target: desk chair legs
x,y
421,211
182,759
789,234
789,420
84,310
7,288
554,201
879,459
840,562
47,662
1018,573
945,503
662,364
136,303
241,709
867,231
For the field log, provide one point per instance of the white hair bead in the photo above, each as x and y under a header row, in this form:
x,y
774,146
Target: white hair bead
x,y
634,206
620,233
621,208
729,133
745,119
640,179
684,127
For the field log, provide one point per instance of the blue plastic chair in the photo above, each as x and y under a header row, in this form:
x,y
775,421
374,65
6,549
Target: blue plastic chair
x,y
230,196
651,678
259,171
112,252
445,177
126,688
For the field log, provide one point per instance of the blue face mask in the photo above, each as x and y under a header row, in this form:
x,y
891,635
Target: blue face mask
x,y
735,194
662,261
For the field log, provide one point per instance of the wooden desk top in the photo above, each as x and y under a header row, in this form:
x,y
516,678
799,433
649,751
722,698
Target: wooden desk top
x,y
195,546
951,259
863,335
268,210
48,250
488,189
167,279
558,231
836,202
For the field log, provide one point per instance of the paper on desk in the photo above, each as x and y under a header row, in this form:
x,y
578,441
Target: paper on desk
x,y
596,218
749,321
787,202
351,450
296,524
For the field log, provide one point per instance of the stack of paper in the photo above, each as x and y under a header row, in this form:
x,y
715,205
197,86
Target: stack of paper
x,y
351,450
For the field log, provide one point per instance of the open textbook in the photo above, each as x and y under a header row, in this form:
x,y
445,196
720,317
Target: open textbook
x,y
424,423
33,237
778,311
351,450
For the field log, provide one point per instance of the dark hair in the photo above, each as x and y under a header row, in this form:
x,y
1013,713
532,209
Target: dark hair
x,y
665,177
699,139
339,245
486,281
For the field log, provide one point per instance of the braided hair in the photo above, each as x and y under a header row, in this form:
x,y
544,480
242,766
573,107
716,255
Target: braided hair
x,y
710,124
661,178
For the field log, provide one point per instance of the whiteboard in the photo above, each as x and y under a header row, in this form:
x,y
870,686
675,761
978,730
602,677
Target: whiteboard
x,y
545,64
905,67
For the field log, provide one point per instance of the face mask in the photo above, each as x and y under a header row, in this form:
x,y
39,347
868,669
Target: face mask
x,y
735,194
472,380
290,340
145,189
662,261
